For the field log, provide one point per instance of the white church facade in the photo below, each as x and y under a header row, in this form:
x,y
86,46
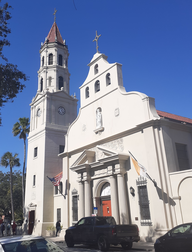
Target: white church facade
x,y
92,150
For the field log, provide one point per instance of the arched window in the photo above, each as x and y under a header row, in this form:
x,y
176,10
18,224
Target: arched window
x,y
50,59
50,81
60,60
96,69
41,85
105,190
108,79
42,63
60,82
87,92
97,86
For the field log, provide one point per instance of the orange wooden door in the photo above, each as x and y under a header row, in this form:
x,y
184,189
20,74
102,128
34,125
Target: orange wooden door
x,y
106,205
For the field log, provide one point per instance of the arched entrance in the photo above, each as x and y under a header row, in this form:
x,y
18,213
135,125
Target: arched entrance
x,y
105,200
186,201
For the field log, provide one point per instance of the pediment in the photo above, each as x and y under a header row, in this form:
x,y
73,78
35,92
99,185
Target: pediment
x,y
95,155
99,161
37,97
86,156
60,93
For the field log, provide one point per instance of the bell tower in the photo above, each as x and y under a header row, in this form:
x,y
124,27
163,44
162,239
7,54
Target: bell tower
x,y
53,74
52,111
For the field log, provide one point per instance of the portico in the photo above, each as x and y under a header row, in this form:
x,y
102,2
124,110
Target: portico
x,y
100,167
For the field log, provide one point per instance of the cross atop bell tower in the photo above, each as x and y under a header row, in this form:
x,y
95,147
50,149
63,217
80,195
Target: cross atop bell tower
x,y
55,15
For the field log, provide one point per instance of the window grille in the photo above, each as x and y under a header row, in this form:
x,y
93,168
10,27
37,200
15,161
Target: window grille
x,y
75,198
144,202
75,207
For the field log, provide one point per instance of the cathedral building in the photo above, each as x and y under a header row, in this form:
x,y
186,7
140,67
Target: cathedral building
x,y
96,150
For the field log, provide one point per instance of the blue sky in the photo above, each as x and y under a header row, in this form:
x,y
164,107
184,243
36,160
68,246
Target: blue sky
x,y
152,39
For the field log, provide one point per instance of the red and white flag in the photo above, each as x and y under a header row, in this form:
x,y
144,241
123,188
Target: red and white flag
x,y
56,180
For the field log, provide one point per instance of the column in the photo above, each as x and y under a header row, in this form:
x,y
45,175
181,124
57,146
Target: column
x,y
56,72
88,211
114,199
123,207
45,64
81,201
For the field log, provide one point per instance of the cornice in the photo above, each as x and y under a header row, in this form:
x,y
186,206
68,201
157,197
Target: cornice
x,y
140,127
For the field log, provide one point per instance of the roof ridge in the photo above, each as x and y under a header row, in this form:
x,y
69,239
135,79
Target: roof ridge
x,y
174,117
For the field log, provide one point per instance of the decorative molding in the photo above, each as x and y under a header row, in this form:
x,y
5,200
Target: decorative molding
x,y
99,130
74,192
177,198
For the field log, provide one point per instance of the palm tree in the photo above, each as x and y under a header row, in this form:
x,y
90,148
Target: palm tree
x,y
9,160
22,128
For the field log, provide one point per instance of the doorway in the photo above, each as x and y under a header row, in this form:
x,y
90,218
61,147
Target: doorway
x,y
106,207
105,197
31,221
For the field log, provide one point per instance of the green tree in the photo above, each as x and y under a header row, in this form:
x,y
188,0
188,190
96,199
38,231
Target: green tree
x,y
9,160
10,76
22,128
5,205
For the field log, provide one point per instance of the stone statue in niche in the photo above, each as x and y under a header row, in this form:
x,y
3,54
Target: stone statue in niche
x,y
98,118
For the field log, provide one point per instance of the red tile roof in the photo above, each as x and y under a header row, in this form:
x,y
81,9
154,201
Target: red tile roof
x,y
54,34
174,117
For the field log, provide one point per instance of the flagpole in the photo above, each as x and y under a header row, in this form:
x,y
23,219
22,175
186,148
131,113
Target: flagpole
x,y
154,182
61,193
133,156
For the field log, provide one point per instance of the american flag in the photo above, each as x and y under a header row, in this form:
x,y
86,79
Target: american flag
x,y
56,180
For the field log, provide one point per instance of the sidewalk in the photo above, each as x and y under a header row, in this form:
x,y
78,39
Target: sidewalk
x,y
55,238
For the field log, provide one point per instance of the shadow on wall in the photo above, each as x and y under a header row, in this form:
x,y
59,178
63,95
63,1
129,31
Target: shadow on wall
x,y
124,219
164,197
154,233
